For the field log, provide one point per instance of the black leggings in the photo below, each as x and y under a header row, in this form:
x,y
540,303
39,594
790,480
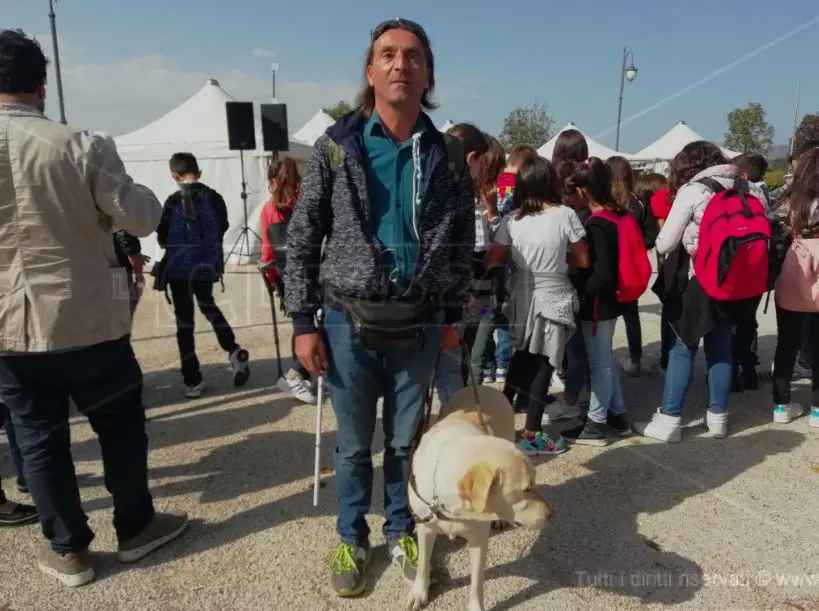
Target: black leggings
x,y
530,376
790,326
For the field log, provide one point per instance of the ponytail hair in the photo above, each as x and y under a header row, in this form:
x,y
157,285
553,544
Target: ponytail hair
x,y
622,180
594,176
491,160
570,148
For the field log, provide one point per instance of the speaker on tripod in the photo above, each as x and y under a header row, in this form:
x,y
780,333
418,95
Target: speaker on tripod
x,y
241,137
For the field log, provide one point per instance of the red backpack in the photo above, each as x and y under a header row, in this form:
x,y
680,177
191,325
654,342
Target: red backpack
x,y
634,267
731,260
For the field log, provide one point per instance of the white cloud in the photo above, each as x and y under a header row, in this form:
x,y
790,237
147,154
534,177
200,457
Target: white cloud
x,y
263,54
120,95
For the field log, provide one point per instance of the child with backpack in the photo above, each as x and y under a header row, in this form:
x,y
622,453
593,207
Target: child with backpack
x,y
283,184
797,291
618,258
193,224
622,187
716,238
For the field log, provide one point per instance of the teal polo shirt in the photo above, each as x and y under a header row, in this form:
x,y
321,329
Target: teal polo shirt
x,y
389,186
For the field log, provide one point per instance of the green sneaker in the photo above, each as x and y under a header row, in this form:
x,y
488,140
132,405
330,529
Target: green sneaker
x,y
404,554
347,566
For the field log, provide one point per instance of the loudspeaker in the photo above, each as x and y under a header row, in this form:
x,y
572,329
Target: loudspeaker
x,y
274,127
241,126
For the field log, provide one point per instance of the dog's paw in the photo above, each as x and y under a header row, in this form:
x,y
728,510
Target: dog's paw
x,y
417,598
498,526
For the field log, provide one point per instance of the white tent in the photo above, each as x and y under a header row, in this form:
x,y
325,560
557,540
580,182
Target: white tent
x,y
314,128
595,148
447,125
199,126
672,142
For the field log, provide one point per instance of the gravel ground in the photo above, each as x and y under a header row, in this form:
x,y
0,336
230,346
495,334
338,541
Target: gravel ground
x,y
705,524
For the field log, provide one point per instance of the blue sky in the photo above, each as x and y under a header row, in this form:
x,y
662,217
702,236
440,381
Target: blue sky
x,y
126,66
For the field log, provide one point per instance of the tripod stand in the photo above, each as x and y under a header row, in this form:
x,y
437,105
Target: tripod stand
x,y
244,237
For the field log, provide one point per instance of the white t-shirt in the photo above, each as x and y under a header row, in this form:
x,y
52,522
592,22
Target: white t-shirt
x,y
539,242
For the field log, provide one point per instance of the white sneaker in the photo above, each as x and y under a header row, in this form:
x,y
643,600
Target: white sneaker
x,y
557,383
717,424
813,421
240,363
783,414
559,410
661,427
195,391
488,376
802,373
630,367
299,388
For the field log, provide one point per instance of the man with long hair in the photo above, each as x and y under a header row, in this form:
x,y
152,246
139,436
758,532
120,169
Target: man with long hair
x,y
394,199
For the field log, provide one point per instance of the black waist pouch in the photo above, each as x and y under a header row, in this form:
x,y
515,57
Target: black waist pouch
x,y
385,325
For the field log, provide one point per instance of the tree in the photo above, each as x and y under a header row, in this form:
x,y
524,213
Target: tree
x,y
339,109
748,131
807,131
530,125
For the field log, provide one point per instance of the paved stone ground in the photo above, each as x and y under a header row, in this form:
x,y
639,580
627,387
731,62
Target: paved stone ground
x,y
705,524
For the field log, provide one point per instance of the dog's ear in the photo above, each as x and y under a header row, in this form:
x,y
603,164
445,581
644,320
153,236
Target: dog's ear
x,y
476,484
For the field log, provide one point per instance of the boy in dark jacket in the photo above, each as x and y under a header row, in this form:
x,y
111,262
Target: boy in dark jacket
x,y
193,224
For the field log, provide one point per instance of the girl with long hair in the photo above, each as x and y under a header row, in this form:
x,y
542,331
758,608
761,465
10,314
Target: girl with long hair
x,y
486,159
542,301
802,214
283,183
590,181
693,315
622,190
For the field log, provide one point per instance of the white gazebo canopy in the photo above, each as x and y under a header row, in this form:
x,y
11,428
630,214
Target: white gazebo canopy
x,y
314,128
672,142
199,126
595,148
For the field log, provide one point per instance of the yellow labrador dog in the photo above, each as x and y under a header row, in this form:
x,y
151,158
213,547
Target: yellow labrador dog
x,y
466,477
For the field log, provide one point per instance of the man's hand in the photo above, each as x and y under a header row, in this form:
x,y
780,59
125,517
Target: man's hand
x,y
311,352
450,338
145,259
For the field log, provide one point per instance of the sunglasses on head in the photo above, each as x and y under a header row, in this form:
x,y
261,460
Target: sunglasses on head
x,y
398,24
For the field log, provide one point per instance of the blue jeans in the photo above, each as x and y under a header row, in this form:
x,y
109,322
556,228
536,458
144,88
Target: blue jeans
x,y
105,382
577,368
356,378
718,356
448,378
606,394
503,348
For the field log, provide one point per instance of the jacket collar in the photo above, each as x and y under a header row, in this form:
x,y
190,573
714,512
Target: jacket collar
x,y
348,132
19,110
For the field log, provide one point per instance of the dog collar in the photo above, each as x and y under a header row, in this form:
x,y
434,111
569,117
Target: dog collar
x,y
436,508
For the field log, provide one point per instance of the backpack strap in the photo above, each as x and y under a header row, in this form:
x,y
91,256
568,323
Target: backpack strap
x,y
712,184
335,155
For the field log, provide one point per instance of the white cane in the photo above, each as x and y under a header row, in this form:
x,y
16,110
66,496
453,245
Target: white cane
x,y
317,465
319,414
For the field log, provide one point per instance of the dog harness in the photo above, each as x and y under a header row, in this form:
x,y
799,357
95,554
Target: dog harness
x,y
436,508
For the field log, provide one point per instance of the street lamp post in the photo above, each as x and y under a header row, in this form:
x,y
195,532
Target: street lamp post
x,y
57,71
629,74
